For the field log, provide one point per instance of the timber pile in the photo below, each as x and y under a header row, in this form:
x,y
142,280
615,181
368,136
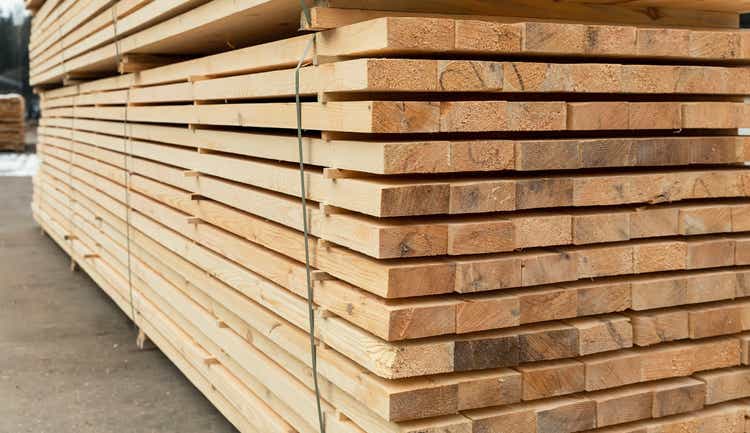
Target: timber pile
x,y
517,224
12,115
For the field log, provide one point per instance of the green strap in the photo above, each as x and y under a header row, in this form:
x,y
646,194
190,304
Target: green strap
x,y
303,194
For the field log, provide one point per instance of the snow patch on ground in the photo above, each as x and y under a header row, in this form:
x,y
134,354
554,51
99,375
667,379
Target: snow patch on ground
x,y
18,164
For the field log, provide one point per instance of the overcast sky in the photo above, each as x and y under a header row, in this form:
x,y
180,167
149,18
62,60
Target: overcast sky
x,y
11,7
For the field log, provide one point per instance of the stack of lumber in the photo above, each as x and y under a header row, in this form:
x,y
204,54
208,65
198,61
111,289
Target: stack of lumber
x,y
517,225
12,115
77,40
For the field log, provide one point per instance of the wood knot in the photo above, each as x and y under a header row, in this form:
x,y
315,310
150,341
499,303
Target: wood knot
x,y
404,249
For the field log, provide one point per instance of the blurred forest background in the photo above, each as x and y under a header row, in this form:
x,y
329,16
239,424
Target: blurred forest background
x,y
15,25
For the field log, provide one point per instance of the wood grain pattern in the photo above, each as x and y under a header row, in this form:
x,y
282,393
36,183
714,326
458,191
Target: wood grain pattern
x,y
528,216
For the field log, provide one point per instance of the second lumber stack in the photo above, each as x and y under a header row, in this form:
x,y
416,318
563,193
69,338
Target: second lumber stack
x,y
12,115
517,226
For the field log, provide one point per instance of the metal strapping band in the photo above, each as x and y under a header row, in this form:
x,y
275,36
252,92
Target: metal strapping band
x,y
303,195
126,141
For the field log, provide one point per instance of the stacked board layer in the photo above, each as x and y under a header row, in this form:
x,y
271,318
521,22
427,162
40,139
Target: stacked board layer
x,y
517,225
12,115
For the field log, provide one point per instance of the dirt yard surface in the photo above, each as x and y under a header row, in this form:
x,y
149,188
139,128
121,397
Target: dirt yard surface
x,y
68,359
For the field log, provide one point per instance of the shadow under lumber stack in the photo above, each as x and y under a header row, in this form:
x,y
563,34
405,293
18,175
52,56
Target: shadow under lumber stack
x,y
12,117
518,225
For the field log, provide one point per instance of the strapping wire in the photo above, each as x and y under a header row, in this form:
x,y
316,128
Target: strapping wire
x,y
306,12
303,195
70,152
126,140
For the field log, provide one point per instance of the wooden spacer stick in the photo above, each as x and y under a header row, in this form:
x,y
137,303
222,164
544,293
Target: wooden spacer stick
x,y
337,173
327,209
318,275
211,360
143,342
194,78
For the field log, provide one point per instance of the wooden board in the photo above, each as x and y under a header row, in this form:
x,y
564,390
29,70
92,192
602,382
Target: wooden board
x,y
648,12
